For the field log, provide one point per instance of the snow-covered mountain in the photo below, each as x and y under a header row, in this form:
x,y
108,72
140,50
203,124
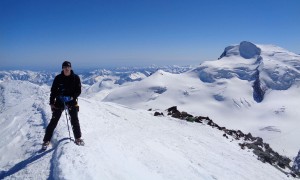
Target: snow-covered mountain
x,y
121,143
31,76
104,80
251,87
128,74
268,67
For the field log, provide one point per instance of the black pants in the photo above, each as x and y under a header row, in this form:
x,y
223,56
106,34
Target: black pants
x,y
55,118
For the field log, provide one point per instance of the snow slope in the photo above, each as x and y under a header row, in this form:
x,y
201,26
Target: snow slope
x,y
251,87
23,115
121,143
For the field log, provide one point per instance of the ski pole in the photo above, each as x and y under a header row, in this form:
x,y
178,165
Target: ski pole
x,y
66,109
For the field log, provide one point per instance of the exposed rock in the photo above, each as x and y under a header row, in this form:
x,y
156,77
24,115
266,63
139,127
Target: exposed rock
x,y
158,114
248,50
245,49
296,165
172,109
258,90
185,115
249,137
191,119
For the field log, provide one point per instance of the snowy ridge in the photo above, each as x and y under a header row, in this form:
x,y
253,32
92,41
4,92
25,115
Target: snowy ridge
x,y
23,117
152,147
123,75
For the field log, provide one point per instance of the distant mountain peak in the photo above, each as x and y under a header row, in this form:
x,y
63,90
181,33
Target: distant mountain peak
x,y
265,66
245,49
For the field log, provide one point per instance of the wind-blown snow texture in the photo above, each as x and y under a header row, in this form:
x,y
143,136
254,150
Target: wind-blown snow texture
x,y
251,87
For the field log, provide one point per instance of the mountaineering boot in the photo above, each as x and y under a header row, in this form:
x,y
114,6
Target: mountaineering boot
x,y
79,142
45,145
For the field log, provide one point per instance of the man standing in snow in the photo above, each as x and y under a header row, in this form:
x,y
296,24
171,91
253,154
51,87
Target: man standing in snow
x,y
65,90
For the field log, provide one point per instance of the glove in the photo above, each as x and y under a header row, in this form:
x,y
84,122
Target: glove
x,y
65,99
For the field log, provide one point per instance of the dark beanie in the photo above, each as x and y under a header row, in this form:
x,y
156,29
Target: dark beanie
x,y
66,63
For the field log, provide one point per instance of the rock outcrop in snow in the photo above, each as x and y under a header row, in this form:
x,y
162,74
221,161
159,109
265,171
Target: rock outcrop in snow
x,y
249,50
262,150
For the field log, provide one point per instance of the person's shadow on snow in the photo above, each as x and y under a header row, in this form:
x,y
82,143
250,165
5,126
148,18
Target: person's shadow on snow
x,y
36,156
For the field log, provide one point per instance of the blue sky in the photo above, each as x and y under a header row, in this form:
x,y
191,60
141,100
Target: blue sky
x,y
41,34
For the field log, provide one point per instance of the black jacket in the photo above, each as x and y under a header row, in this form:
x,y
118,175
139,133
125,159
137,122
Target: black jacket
x,y
65,86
